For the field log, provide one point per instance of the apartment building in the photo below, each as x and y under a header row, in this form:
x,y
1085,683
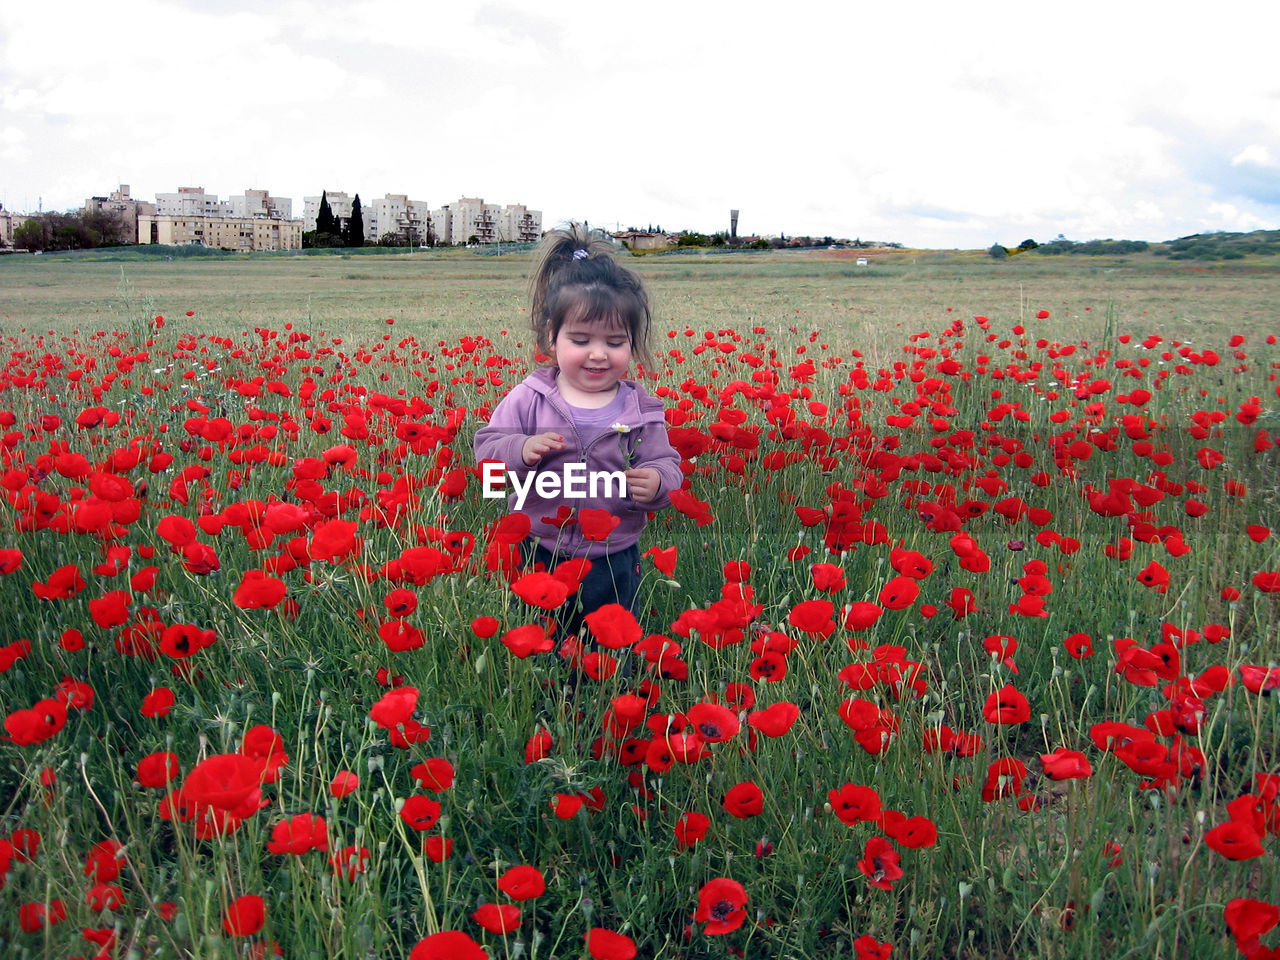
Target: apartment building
x,y
260,203
191,202
8,223
254,220
396,213
225,233
339,203
125,208
471,220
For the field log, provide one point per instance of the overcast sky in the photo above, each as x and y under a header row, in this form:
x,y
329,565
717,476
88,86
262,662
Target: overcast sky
x,y
933,124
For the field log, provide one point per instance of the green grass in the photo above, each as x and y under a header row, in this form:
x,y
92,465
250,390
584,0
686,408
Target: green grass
x,y
449,293
999,883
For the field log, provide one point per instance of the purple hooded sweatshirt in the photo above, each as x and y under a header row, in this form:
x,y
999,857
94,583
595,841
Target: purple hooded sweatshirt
x,y
536,406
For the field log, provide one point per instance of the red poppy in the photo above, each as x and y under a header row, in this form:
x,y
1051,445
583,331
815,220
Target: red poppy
x,y
448,945
867,947
1079,645
420,812
597,524
497,918
1267,581
400,602
104,896
1006,705
522,882
565,805
605,944
861,615
224,781
435,774
721,906
437,849
1249,920
104,861
541,589
245,916
744,800
111,609
11,560
538,746
664,560
1235,841
525,641
613,626
880,863
299,834
344,783
1064,764
32,917
394,707
258,590
63,583
827,577
961,602
350,861
713,723
1004,778
776,720
910,832
899,593
485,627
1155,576
853,803
813,617
157,769
157,703
690,829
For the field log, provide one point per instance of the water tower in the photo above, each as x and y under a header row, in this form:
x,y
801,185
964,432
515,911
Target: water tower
x,y
733,225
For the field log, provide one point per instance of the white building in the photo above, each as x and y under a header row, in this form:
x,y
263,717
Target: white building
x,y
190,202
396,213
260,203
339,203
471,220
8,223
255,220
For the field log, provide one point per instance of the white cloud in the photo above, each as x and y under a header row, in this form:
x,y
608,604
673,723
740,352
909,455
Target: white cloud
x,y
1255,155
934,125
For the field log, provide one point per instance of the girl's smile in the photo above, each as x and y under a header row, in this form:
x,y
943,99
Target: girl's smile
x,y
592,357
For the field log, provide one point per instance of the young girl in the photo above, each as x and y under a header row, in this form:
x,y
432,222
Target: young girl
x,y
578,421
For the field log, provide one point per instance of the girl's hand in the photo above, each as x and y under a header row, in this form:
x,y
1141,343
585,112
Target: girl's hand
x,y
539,445
642,484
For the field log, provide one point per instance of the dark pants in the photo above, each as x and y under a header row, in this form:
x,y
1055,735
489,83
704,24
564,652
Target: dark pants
x,y
613,578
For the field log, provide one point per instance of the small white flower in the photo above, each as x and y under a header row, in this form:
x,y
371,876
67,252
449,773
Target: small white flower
x,y
620,427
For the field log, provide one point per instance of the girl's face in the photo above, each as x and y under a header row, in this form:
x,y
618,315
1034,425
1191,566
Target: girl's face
x,y
593,355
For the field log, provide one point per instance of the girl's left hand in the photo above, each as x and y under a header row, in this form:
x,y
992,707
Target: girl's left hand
x,y
642,484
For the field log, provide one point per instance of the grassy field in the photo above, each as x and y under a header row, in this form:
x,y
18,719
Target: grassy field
x,y
961,640
452,292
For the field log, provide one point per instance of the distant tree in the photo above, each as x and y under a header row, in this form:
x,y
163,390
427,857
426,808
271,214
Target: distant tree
x,y
392,239
354,234
324,219
29,235
1028,244
998,252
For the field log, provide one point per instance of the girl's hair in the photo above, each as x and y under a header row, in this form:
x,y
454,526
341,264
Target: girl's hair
x,y
577,277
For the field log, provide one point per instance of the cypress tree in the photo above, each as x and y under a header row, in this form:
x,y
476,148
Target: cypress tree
x,y
324,219
355,224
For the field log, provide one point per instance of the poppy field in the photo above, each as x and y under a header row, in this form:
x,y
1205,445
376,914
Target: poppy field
x,y
962,643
